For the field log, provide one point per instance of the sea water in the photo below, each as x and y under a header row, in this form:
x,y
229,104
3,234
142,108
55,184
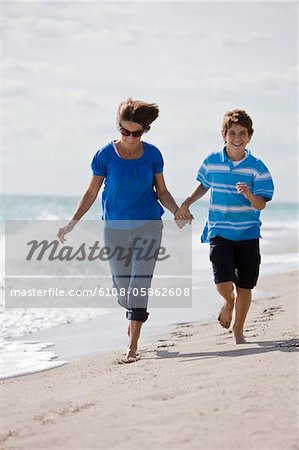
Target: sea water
x,y
22,355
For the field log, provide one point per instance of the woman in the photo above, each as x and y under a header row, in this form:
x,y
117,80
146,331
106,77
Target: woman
x,y
134,184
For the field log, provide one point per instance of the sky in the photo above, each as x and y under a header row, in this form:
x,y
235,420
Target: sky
x,y
67,66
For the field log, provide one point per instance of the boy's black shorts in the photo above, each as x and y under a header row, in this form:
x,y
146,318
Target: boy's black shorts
x,y
236,261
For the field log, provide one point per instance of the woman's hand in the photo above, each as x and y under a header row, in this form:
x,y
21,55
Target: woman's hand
x,y
183,216
64,230
84,205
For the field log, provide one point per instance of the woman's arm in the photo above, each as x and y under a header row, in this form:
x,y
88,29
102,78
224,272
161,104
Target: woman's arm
x,y
83,206
89,197
163,194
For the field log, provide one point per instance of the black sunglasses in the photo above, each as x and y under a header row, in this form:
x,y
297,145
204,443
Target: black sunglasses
x,y
126,132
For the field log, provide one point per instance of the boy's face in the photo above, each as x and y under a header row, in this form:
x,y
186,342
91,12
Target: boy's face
x,y
236,139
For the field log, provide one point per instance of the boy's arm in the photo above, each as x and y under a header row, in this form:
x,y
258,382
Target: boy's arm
x,y
257,201
184,212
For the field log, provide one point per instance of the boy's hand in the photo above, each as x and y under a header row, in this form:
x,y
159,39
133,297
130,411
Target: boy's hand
x,y
242,188
257,201
183,216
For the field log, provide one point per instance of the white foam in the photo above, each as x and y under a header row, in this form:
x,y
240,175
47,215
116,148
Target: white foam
x,y
25,357
22,321
48,216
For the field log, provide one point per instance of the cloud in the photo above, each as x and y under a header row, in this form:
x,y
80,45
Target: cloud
x,y
66,66
15,67
15,89
20,134
44,21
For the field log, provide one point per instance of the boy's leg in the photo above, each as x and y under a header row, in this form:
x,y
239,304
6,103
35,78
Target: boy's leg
x,y
222,259
226,290
247,265
243,302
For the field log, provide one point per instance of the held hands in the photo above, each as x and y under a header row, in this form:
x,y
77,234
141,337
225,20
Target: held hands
x,y
183,216
64,230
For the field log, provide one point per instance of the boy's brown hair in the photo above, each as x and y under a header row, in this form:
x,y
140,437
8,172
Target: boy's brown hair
x,y
137,111
237,117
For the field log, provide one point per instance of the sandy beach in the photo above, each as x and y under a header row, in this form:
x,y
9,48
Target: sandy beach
x,y
192,388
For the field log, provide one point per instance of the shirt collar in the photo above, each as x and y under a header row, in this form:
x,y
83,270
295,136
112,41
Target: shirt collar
x,y
224,156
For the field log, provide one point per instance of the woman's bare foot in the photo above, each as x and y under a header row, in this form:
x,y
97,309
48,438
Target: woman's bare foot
x,y
239,336
134,328
226,313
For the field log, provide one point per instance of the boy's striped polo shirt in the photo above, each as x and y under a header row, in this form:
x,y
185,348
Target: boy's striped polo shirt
x,y
231,215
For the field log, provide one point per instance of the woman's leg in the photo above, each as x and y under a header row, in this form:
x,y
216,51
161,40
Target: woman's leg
x,y
142,270
118,241
134,330
134,279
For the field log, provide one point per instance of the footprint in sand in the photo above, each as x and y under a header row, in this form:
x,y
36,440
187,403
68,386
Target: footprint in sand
x,y
7,435
269,313
289,344
273,309
52,416
185,325
180,334
166,345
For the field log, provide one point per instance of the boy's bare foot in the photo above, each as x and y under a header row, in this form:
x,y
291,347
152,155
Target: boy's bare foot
x,y
131,356
239,337
226,313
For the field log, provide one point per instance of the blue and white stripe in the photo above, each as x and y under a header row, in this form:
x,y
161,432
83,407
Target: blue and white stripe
x,y
231,215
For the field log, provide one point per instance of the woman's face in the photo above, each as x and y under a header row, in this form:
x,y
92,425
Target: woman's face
x,y
131,142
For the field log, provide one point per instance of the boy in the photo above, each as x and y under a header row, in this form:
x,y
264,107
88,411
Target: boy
x,y
240,187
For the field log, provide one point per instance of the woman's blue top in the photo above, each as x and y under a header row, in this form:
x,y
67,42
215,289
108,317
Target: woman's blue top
x,y
129,183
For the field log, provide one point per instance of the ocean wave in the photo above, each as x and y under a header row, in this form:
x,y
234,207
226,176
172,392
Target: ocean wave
x,y
44,215
24,321
25,357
